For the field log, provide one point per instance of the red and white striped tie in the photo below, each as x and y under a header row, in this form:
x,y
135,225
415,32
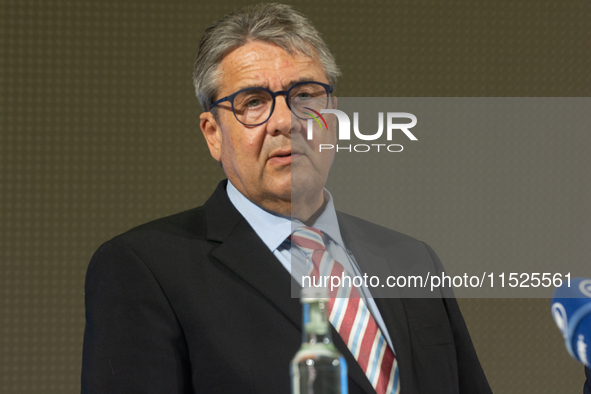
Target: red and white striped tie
x,y
350,317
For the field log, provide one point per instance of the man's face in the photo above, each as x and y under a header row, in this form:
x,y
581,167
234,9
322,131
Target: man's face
x,y
259,160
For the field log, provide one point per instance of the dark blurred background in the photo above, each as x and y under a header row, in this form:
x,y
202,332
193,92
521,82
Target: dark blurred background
x,y
99,132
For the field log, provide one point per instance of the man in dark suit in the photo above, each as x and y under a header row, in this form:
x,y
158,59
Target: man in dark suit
x,y
200,301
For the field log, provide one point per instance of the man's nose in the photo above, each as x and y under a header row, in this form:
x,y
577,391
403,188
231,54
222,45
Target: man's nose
x,y
280,121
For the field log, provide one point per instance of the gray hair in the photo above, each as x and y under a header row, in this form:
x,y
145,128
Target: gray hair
x,y
272,23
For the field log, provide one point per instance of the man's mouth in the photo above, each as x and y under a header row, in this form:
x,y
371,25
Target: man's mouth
x,y
284,156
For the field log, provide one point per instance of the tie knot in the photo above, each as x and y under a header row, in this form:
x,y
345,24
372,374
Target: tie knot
x,y
308,239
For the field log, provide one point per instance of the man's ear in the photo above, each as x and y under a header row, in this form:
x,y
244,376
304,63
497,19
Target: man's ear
x,y
332,119
212,133
333,102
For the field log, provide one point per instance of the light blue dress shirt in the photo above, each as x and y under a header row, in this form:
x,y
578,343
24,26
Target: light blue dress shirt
x,y
274,229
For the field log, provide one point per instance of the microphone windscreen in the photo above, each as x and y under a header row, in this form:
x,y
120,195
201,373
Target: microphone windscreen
x,y
571,309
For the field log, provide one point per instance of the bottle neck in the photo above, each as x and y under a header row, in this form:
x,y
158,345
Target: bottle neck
x,y
316,328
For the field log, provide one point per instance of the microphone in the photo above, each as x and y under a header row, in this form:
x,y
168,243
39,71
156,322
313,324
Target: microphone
x,y
571,309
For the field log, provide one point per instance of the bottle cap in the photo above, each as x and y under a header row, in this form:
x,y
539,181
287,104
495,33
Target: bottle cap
x,y
311,294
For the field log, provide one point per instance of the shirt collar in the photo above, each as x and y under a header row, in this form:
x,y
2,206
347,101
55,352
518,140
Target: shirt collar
x,y
327,222
274,228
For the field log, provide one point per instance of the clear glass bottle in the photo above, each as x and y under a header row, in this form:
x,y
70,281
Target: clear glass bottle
x,y
318,367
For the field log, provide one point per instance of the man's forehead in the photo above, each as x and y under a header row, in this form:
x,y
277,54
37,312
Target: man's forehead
x,y
266,84
266,65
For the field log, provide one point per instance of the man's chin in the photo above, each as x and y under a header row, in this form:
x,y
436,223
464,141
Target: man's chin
x,y
305,190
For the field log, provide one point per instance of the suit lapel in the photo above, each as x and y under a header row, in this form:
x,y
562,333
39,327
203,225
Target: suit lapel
x,y
245,254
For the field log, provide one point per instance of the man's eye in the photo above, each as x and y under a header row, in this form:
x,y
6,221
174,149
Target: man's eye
x,y
304,95
253,102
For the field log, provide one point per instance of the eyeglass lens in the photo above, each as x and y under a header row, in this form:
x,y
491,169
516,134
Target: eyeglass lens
x,y
254,106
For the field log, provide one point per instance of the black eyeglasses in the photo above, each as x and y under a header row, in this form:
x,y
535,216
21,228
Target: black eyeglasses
x,y
254,106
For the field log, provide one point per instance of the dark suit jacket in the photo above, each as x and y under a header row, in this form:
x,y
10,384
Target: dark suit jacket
x,y
196,302
587,388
